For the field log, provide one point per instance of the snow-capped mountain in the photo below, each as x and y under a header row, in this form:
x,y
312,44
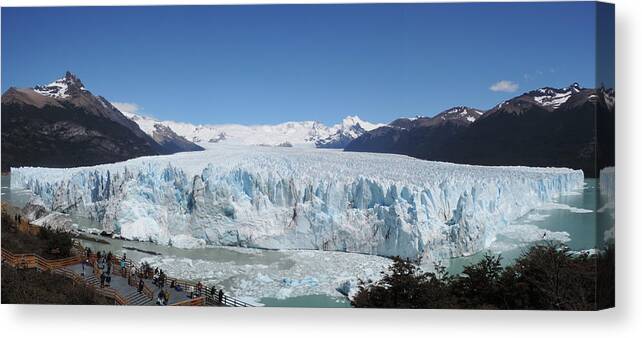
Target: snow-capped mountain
x,y
543,127
460,115
547,98
62,124
304,133
62,88
349,129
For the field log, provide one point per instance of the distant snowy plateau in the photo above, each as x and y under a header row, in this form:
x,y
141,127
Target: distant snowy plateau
x,y
299,133
301,198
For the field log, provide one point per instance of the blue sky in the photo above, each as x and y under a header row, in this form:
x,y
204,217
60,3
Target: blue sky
x,y
269,64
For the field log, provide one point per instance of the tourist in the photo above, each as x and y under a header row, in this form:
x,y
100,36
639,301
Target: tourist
x,y
220,296
160,298
166,296
141,285
190,289
213,292
102,279
123,266
173,284
199,288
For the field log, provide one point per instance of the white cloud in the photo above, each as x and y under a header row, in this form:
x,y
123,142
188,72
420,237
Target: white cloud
x,y
504,86
127,107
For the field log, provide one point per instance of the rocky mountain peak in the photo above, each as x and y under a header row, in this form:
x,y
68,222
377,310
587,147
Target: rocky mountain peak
x,y
63,88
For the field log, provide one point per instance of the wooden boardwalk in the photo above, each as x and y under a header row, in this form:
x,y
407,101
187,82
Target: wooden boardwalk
x,y
123,287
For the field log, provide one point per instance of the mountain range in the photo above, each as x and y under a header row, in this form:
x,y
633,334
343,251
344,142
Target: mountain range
x,y
309,133
63,124
570,127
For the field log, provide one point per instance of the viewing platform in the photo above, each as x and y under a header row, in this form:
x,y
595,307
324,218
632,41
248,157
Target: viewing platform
x,y
122,287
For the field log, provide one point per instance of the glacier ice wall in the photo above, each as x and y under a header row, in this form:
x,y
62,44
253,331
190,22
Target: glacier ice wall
x,y
289,198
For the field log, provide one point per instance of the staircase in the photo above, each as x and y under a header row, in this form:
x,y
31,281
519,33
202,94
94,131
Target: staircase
x,y
135,298
130,295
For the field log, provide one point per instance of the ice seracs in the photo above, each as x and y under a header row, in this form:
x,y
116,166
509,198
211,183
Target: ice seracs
x,y
302,198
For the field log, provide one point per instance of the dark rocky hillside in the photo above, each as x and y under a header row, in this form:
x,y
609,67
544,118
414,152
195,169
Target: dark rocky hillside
x,y
569,127
64,125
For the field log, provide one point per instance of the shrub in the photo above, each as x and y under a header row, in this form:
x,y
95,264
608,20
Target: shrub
x,y
545,277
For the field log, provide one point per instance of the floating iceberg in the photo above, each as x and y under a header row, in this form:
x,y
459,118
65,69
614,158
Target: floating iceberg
x,y
289,198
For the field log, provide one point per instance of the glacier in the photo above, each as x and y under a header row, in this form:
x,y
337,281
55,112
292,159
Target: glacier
x,y
301,198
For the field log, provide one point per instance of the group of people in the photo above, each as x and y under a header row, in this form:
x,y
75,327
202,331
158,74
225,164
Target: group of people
x,y
104,264
159,278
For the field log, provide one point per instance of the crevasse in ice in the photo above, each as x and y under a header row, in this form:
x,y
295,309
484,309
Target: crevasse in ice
x,y
299,198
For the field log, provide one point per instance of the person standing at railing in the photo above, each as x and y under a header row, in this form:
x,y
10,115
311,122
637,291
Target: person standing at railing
x,y
220,296
199,288
161,279
141,285
123,266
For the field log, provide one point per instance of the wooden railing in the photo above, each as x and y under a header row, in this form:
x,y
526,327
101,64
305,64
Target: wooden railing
x,y
198,301
33,261
105,292
131,273
227,301
204,297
